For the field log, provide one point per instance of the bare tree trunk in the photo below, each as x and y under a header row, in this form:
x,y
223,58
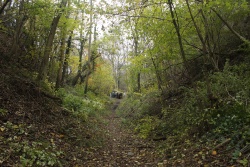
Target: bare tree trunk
x,y
48,47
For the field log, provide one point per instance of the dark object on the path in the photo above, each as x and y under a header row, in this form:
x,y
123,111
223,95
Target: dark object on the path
x,y
159,138
120,95
113,94
116,94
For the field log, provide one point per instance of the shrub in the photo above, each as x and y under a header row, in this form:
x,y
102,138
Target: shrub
x,y
72,102
37,154
146,126
231,89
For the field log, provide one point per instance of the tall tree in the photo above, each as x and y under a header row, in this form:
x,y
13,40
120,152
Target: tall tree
x,y
82,41
20,21
66,59
177,29
61,61
48,46
89,47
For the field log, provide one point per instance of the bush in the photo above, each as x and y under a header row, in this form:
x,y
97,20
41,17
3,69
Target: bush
x,y
35,155
73,103
146,126
231,91
195,114
81,106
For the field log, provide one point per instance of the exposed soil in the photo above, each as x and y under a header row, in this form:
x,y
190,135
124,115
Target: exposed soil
x,y
122,147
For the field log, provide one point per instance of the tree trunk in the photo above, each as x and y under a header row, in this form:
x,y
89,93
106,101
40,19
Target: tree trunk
x,y
65,64
196,27
158,76
21,19
3,7
89,48
76,78
48,46
209,36
136,54
61,62
205,50
230,28
82,43
80,67
177,29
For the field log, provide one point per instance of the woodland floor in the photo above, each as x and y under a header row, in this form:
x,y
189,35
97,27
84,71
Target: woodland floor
x,y
122,147
30,116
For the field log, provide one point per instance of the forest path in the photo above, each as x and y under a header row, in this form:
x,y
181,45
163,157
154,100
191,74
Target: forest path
x,y
121,147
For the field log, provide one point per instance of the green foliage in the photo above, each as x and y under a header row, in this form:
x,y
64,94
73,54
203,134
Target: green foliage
x,y
36,155
45,85
215,107
80,105
61,93
244,162
146,126
131,110
30,153
102,81
230,108
73,103
142,112
3,112
2,27
196,115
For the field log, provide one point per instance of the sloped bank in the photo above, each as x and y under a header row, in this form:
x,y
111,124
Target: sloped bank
x,y
206,123
35,130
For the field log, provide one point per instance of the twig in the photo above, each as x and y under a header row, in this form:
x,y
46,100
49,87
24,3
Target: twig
x,y
245,149
221,144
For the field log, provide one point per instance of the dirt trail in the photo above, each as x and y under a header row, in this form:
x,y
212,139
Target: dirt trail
x,y
122,148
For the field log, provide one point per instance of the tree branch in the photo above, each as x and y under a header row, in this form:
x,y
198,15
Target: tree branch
x,y
4,5
230,28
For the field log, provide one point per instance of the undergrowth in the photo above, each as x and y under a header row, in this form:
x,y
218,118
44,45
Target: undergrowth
x,y
35,131
81,105
191,119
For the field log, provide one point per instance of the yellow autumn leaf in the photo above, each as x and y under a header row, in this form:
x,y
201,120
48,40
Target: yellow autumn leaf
x,y
52,140
61,136
15,127
2,129
214,152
